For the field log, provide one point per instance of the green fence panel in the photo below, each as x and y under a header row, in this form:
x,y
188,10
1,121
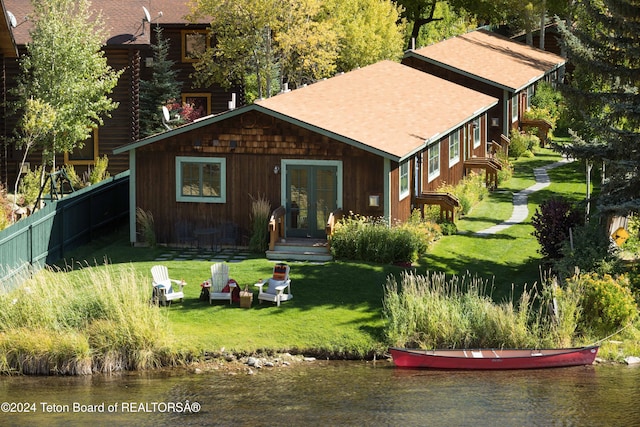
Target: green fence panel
x,y
62,225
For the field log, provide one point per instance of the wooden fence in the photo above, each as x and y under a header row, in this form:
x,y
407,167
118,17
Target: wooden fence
x,y
62,225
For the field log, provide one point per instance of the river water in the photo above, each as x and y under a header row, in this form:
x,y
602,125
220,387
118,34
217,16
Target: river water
x,y
324,393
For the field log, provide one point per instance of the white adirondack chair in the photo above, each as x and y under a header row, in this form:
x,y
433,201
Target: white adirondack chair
x,y
164,285
278,286
220,279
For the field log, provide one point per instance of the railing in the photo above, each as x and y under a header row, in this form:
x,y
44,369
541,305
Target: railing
x,y
505,142
334,217
276,226
448,203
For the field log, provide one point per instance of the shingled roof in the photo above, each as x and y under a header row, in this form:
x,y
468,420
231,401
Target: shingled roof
x,y
492,58
123,19
385,108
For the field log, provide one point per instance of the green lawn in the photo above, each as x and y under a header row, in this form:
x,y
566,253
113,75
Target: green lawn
x,y
337,307
510,257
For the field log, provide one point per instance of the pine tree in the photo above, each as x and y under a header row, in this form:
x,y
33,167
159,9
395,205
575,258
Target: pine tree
x,y
162,89
603,42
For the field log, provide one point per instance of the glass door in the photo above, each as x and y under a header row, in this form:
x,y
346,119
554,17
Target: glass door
x,y
311,197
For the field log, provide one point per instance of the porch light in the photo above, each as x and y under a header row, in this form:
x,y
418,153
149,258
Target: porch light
x,y
374,200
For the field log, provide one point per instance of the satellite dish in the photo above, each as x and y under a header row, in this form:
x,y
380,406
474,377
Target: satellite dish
x,y
165,113
147,16
12,19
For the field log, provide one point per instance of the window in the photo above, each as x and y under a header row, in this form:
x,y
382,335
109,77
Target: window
x,y
194,44
201,179
87,155
434,161
476,132
201,103
530,92
454,147
514,108
404,179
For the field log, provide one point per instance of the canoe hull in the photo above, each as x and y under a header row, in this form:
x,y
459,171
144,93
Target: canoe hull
x,y
490,359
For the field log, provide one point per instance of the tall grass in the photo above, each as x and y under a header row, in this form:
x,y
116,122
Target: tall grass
x,y
432,311
146,223
372,239
93,319
260,211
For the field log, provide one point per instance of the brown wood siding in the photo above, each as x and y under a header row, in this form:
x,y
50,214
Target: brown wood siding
x,y
400,209
262,142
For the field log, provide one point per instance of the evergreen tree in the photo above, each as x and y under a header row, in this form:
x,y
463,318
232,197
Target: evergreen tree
x,y
603,43
161,90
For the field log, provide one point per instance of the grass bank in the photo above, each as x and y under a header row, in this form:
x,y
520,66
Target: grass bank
x,y
337,309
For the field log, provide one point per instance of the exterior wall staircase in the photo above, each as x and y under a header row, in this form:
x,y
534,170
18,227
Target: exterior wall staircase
x,y
300,249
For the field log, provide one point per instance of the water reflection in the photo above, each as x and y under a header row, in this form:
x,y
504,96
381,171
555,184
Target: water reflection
x,y
339,393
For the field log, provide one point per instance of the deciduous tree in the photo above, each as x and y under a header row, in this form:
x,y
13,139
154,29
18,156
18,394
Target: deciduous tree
x,y
66,69
270,42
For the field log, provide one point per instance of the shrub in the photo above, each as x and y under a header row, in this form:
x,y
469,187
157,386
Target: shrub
x,y
607,302
469,191
99,171
5,209
521,143
592,251
552,221
547,103
74,178
372,239
506,172
30,185
260,211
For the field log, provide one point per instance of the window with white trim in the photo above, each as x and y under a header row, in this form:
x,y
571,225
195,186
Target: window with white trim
x,y
454,147
434,161
404,180
530,92
476,132
201,179
514,108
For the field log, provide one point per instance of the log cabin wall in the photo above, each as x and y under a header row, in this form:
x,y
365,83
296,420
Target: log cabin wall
x,y
261,143
122,127
184,70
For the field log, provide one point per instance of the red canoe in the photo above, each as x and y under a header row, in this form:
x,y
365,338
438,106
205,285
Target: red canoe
x,y
484,359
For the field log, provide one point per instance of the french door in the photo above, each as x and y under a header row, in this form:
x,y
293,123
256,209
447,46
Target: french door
x,y
311,196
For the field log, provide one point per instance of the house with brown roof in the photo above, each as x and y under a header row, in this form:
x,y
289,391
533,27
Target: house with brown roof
x,y
127,47
377,141
494,65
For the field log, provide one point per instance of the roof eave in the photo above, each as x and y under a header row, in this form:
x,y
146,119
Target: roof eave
x,y
439,135
414,54
229,114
